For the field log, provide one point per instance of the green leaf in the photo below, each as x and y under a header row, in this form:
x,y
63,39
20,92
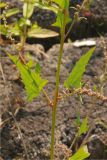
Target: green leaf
x,y
3,30
37,68
11,12
30,63
78,120
59,20
32,81
28,9
46,6
95,88
2,4
81,154
14,29
62,3
24,21
74,79
84,127
11,28
37,32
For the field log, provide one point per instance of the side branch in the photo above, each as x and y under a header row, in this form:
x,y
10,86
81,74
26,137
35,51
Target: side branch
x,y
83,91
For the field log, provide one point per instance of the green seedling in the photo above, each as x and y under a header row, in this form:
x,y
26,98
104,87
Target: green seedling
x,y
24,28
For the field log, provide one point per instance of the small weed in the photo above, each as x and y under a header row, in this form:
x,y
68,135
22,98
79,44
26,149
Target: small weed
x,y
33,82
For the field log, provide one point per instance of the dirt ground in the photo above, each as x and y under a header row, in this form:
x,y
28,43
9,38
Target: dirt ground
x,y
34,118
28,131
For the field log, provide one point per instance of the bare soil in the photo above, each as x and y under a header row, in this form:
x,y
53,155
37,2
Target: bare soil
x,y
34,119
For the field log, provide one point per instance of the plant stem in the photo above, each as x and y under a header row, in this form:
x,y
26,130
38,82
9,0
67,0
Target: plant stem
x,y
71,26
47,98
24,31
54,108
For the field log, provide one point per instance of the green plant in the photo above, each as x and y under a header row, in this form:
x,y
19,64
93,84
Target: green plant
x,y
23,28
32,79
81,154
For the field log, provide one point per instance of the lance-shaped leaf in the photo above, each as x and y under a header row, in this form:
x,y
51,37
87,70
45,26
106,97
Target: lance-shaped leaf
x,y
83,128
11,12
74,79
32,80
37,32
28,9
47,6
81,154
